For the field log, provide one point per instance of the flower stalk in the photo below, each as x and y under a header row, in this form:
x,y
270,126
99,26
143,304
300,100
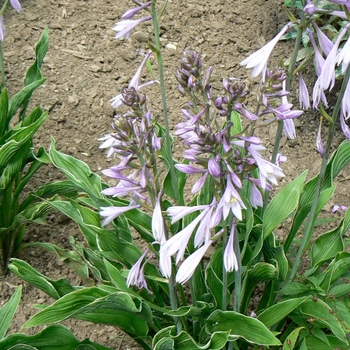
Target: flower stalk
x,y
164,98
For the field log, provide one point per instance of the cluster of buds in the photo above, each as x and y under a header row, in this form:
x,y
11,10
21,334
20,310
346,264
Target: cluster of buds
x,y
234,98
189,74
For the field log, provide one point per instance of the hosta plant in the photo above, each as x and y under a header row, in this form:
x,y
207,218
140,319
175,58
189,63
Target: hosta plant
x,y
210,272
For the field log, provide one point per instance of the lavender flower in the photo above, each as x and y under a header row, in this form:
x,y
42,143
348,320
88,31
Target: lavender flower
x,y
289,129
176,213
268,172
310,9
16,5
256,199
345,103
125,27
2,28
230,259
336,207
258,60
344,127
325,44
136,275
158,228
113,212
288,115
231,201
319,142
343,56
304,98
178,243
108,142
318,57
326,79
117,101
190,264
280,159
341,2
165,263
133,11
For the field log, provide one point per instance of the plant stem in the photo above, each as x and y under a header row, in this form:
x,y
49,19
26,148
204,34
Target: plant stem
x,y
173,301
238,271
313,212
173,298
224,273
164,100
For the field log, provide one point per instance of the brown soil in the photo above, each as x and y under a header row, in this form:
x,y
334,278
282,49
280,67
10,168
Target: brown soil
x,y
85,67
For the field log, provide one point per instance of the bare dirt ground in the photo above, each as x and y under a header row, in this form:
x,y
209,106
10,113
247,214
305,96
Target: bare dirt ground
x,y
85,67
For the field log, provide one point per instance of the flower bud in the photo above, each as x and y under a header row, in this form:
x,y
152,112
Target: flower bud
x,y
214,168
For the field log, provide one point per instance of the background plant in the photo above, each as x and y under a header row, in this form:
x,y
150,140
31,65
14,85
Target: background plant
x,y
18,159
169,318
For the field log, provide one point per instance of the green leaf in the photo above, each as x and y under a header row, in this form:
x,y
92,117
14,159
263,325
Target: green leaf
x,y
274,254
241,326
294,289
277,312
304,210
34,212
167,339
340,158
117,249
22,96
213,278
116,277
34,72
321,312
8,311
31,118
55,337
201,310
14,166
66,306
334,343
70,258
51,189
282,204
340,290
4,122
341,310
258,273
320,334
14,143
336,269
170,185
107,241
118,309
236,123
78,172
53,288
329,244
292,338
